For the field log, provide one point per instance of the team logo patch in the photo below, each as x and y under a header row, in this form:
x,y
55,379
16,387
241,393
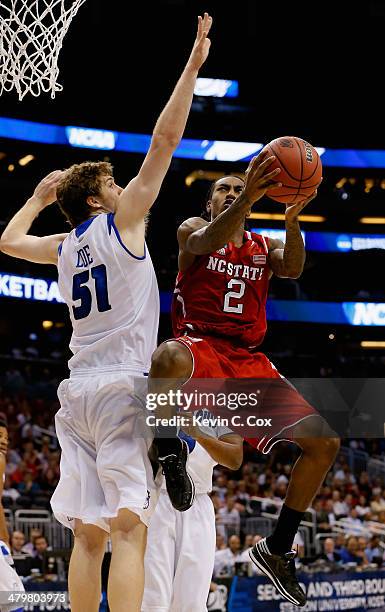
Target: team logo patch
x,y
259,259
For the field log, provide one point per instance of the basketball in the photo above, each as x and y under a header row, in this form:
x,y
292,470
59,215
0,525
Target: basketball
x,y
301,169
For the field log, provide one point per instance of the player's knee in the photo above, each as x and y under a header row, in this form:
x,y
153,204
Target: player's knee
x,y
127,525
329,448
171,359
316,438
323,449
91,539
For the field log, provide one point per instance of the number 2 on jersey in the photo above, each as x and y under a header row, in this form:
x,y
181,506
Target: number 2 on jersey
x,y
81,292
235,295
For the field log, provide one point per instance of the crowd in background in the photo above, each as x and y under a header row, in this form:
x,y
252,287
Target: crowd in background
x,y
355,500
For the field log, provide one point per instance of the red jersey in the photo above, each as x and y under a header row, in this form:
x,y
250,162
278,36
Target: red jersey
x,y
224,293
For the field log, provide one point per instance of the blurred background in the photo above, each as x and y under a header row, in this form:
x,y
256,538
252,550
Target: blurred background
x,y
294,71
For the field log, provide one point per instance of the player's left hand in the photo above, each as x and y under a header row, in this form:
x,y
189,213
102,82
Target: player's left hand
x,y
191,429
45,191
202,44
292,210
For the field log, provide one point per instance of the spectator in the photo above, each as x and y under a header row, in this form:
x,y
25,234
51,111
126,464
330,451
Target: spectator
x,y
9,490
29,547
329,508
374,553
339,543
220,542
353,525
242,496
364,484
362,543
340,508
329,553
226,559
248,543
220,487
38,560
377,504
363,508
20,558
229,517
49,480
17,542
29,486
350,550
322,517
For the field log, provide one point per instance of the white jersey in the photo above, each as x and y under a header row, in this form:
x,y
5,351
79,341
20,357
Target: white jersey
x,y
200,463
112,296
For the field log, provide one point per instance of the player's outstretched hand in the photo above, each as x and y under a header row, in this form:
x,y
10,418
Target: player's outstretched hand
x,y
190,428
45,192
292,210
202,44
258,177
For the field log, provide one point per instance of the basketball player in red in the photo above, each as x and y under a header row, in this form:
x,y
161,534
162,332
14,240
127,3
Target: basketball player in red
x,y
219,320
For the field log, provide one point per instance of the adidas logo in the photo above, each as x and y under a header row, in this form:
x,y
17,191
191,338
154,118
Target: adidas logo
x,y
221,251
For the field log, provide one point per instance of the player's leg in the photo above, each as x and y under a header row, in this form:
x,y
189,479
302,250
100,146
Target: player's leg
x,y
171,366
319,446
84,578
195,557
126,575
161,540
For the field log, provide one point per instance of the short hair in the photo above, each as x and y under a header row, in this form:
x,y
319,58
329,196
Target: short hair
x,y
78,183
204,214
3,423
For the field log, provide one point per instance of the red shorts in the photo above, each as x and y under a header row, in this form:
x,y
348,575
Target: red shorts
x,y
219,358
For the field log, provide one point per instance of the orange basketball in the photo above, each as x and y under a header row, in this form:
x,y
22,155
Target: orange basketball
x,y
301,169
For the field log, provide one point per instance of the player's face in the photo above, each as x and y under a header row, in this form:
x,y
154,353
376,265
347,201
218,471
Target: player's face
x,y
3,440
109,193
225,191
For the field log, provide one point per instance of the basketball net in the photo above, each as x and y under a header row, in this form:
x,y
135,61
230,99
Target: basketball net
x,y
31,37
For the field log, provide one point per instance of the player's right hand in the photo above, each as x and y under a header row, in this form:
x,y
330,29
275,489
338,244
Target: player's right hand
x,y
202,44
258,177
45,192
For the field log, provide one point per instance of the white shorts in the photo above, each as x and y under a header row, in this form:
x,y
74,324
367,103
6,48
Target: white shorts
x,y
9,580
179,558
104,464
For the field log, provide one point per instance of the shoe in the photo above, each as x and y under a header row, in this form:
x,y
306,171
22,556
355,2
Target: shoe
x,y
281,571
179,484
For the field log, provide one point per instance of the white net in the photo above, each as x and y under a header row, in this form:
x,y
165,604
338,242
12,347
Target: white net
x,y
31,37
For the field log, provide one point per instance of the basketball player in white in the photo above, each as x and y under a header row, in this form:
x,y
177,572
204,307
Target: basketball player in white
x,y
9,580
108,282
180,581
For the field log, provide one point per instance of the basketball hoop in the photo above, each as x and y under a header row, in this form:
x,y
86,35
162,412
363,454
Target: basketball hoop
x,y
31,37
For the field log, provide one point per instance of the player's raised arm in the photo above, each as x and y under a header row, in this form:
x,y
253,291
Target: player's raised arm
x,y
287,260
16,241
140,194
199,237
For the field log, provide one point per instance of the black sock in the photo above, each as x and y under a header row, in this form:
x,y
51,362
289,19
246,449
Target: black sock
x,y
167,445
281,540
